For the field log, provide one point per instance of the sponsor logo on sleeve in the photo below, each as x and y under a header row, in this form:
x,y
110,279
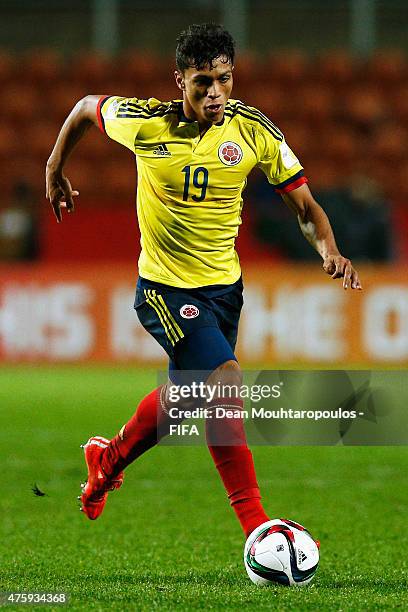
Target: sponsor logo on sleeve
x,y
287,156
112,110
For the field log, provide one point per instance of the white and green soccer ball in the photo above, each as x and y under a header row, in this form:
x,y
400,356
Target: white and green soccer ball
x,y
281,552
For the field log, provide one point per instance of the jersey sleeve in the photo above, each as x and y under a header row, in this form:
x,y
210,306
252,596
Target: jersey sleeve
x,y
280,165
121,118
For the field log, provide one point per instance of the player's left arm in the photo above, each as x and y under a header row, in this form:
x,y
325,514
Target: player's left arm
x,y
316,228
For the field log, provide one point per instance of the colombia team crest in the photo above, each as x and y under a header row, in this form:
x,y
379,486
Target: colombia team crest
x,y
189,311
230,153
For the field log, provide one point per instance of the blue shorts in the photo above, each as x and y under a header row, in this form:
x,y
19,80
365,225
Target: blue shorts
x,y
197,328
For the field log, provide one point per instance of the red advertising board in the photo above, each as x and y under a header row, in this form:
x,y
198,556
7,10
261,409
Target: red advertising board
x,y
292,314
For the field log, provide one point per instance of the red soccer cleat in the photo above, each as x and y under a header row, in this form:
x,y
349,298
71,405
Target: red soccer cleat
x,y
95,490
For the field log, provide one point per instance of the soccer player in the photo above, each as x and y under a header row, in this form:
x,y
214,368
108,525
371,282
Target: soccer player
x,y
193,158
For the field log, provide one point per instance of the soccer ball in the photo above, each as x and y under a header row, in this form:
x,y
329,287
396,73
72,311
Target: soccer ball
x,y
281,552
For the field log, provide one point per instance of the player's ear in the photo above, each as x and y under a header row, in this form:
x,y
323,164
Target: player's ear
x,y
179,79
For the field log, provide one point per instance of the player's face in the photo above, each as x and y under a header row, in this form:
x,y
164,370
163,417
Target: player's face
x,y
206,91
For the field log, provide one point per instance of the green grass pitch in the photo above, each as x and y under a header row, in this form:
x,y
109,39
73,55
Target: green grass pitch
x,y
168,539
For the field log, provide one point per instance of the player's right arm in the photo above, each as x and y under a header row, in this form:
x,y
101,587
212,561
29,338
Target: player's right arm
x,y
58,188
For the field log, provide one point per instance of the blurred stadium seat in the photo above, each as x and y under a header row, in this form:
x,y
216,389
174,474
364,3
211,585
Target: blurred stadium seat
x,y
388,67
389,143
339,113
324,174
250,69
7,66
364,106
41,135
299,137
94,148
337,68
20,102
267,99
399,104
60,99
139,66
120,180
42,67
314,103
83,177
90,69
287,68
10,144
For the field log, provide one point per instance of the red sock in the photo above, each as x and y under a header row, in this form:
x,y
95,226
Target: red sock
x,y
227,444
146,427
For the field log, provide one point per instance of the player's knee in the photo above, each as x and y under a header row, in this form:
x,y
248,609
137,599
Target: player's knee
x,y
228,374
173,398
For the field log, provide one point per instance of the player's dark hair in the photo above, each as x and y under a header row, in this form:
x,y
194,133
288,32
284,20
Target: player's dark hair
x,y
201,44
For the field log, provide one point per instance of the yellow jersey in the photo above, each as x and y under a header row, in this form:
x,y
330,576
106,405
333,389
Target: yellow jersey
x,y
189,194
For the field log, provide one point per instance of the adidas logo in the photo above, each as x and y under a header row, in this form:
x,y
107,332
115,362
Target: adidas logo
x,y
301,556
162,151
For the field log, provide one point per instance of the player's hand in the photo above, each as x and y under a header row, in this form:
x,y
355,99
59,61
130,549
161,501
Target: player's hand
x,y
340,267
59,192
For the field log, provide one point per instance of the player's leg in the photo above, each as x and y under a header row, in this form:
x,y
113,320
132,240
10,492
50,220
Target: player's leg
x,y
208,349
144,430
203,348
106,459
98,484
158,309
235,464
233,459
225,436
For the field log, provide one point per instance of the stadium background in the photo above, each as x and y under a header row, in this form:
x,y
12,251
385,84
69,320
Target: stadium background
x,y
334,77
